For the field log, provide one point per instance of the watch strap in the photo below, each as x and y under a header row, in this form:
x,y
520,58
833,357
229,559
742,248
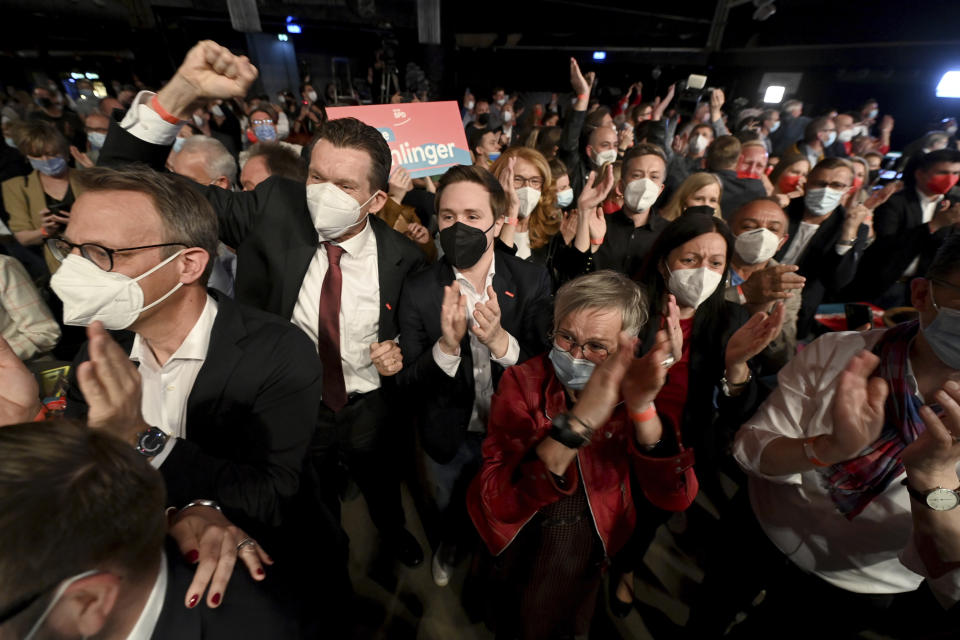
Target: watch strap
x,y
921,496
561,431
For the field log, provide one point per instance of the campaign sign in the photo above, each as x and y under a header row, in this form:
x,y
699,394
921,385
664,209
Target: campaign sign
x,y
426,138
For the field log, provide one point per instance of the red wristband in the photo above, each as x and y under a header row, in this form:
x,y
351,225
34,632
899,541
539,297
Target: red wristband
x,y
42,415
646,415
44,233
743,298
513,221
163,113
596,241
583,96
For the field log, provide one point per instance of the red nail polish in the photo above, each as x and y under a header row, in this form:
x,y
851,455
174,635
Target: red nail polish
x,y
259,571
192,556
193,601
215,599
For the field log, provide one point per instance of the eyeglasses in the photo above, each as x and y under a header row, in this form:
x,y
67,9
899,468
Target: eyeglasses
x,y
268,121
819,184
534,183
95,253
567,343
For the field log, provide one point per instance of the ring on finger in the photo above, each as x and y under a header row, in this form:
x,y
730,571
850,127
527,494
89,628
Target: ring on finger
x,y
669,361
246,542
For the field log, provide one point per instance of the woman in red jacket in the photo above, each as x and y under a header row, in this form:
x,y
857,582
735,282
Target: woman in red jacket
x,y
552,500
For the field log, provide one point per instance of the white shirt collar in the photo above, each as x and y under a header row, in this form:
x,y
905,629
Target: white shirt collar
x,y
357,243
193,347
457,275
143,629
937,197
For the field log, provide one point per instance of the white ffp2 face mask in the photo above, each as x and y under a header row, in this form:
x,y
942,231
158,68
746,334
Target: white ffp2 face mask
x,y
601,158
89,293
693,286
332,210
640,194
528,197
756,245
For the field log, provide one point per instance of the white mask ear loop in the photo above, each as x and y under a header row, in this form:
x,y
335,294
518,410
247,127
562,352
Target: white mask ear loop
x,y
361,220
168,293
55,599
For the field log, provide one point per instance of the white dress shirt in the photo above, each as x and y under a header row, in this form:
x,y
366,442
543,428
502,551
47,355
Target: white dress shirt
x,y
167,388
359,307
928,208
482,374
801,239
521,239
862,555
147,622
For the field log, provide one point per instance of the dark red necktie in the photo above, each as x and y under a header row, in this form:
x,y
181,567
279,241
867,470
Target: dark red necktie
x,y
328,335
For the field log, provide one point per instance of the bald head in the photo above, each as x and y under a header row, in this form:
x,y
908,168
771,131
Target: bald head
x,y
763,213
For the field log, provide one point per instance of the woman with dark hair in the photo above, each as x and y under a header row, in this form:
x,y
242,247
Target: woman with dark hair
x,y
710,389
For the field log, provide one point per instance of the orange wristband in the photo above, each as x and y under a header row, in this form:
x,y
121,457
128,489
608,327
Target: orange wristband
x,y
163,113
513,221
646,415
596,241
583,96
811,455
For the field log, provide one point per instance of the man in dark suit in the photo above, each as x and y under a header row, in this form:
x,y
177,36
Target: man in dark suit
x,y
824,240
463,321
792,127
298,249
102,570
722,158
225,397
909,229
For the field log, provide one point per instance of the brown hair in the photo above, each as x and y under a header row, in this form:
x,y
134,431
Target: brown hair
x,y
352,134
281,160
544,220
644,149
74,499
723,153
788,159
476,175
40,138
185,214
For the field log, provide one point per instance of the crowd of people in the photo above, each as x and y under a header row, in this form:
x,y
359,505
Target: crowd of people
x,y
615,315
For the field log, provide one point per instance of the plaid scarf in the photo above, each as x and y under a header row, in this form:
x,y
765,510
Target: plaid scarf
x,y
854,483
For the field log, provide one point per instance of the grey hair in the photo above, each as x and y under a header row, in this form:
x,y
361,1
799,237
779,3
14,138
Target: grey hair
x,y
604,289
934,137
219,161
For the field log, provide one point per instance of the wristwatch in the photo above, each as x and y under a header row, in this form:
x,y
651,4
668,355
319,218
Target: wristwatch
x,y
729,387
151,442
938,499
562,432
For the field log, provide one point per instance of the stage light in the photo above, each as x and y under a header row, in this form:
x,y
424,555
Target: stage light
x,y
293,26
93,76
77,76
949,85
774,94
282,37
599,55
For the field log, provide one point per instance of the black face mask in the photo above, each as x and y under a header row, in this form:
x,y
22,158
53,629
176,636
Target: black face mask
x,y
873,175
44,103
463,245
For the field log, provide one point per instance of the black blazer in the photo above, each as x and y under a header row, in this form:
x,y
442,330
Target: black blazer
x,y
246,611
901,236
737,191
250,417
826,271
442,404
274,236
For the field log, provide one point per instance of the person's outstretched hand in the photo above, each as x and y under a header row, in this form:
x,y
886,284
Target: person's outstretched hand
x,y
19,392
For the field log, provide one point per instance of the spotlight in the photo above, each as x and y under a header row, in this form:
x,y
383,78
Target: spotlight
x,y
282,37
599,55
774,94
949,85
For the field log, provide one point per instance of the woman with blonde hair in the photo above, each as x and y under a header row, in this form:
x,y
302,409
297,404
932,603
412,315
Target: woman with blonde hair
x,y
698,190
539,217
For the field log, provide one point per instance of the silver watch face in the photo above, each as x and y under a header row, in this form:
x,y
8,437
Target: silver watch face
x,y
942,499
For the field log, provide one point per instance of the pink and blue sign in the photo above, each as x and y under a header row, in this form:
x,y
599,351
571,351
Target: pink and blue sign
x,y
425,138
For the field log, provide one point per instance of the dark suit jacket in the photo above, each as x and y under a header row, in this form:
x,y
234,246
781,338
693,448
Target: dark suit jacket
x,y
738,191
791,131
250,417
443,404
578,167
246,611
901,236
275,238
826,271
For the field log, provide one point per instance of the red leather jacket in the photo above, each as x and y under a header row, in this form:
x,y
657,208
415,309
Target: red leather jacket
x,y
514,484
